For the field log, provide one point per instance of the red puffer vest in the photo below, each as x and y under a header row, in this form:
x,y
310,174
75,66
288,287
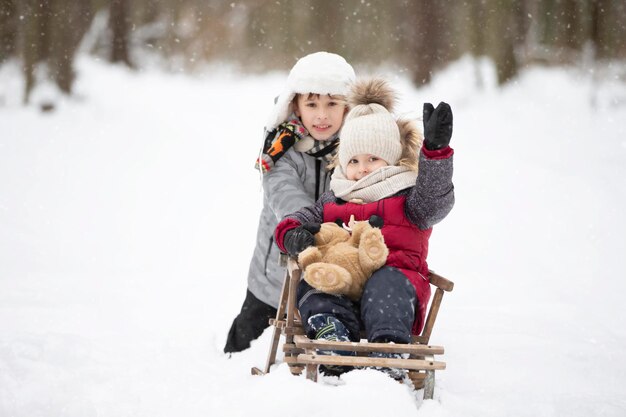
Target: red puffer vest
x,y
408,245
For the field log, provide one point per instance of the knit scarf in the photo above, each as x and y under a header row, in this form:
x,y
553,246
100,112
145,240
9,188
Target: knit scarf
x,y
384,182
323,149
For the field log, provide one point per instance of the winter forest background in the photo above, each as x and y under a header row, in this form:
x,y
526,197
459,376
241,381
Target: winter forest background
x,y
129,202
417,37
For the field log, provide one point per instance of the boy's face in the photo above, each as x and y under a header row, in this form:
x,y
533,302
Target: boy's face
x,y
322,115
361,165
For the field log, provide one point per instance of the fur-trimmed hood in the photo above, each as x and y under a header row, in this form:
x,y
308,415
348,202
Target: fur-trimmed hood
x,y
412,139
317,73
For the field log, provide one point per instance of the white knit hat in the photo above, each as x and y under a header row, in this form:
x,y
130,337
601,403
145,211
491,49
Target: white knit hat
x,y
318,73
370,129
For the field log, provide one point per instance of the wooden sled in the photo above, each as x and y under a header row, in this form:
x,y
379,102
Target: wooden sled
x,y
300,351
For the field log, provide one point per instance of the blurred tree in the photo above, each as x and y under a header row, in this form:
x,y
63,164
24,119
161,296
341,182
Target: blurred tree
x,y
429,30
68,24
8,29
608,28
563,29
505,34
51,31
259,24
325,26
476,18
146,12
569,28
35,22
297,30
416,36
371,31
119,20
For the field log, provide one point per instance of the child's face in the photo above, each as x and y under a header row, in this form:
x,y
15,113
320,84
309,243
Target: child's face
x,y
361,165
322,115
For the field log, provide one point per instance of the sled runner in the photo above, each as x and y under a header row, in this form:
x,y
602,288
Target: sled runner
x,y
300,351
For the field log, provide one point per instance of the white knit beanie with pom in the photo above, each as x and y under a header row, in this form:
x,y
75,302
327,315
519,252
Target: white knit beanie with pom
x,y
370,128
317,73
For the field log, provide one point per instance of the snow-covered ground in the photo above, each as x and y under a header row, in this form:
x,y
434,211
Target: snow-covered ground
x,y
128,216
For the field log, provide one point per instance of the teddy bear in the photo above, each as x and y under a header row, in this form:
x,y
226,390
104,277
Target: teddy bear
x,y
344,258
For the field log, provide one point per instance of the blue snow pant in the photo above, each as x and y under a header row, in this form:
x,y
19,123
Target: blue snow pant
x,y
386,310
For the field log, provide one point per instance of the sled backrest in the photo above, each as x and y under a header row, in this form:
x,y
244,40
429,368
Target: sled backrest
x,y
443,285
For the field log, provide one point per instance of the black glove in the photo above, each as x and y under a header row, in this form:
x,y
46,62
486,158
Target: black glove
x,y
437,126
298,239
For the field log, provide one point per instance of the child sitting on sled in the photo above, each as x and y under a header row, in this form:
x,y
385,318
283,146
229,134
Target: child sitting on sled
x,y
381,171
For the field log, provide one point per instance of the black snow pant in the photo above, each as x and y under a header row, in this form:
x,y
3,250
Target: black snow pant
x,y
249,324
386,310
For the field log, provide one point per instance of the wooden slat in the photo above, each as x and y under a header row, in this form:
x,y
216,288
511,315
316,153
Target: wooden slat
x,y
292,265
305,343
291,360
280,312
296,369
417,376
277,323
283,323
293,330
294,278
291,348
418,379
416,364
282,259
440,282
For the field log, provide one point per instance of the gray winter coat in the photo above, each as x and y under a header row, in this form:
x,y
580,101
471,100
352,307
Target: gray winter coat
x,y
287,187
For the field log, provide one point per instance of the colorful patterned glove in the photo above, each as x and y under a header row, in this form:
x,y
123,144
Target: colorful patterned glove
x,y
278,141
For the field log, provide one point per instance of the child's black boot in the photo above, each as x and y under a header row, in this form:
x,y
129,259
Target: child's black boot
x,y
328,327
396,373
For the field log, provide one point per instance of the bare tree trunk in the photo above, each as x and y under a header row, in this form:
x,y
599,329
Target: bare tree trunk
x,y
326,13
50,33
118,22
65,38
477,18
608,31
35,41
427,41
8,29
570,25
504,37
